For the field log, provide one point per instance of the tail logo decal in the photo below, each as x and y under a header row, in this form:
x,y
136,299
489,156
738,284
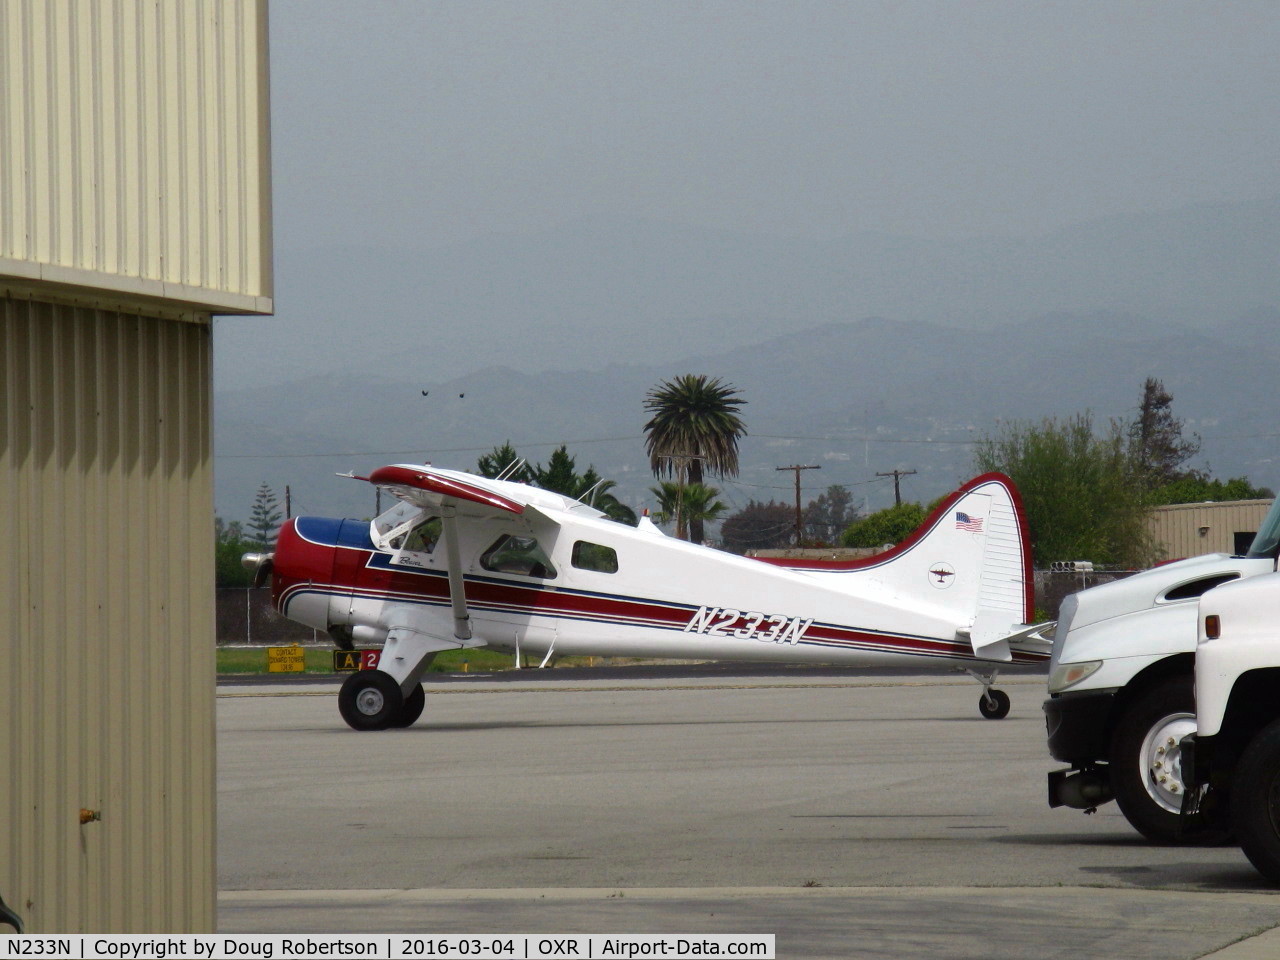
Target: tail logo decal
x,y
966,522
942,575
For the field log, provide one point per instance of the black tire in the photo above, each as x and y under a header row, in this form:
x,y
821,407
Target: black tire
x,y
1255,802
411,709
994,704
1146,759
370,700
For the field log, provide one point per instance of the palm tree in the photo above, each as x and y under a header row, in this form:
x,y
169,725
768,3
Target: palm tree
x,y
686,503
693,427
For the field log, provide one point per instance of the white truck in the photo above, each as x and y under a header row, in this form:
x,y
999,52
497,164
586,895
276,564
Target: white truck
x,y
1231,763
1121,679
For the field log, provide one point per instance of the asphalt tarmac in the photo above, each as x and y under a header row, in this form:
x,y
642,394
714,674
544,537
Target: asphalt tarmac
x,y
851,814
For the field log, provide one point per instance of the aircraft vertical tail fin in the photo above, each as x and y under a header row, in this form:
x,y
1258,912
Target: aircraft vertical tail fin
x,y
972,556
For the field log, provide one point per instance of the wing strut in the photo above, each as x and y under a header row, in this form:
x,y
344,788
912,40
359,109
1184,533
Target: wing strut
x,y
457,583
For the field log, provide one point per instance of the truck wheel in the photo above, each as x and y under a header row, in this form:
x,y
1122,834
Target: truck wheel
x,y
1146,758
370,700
1255,802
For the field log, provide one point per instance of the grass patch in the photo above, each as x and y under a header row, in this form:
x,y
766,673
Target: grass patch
x,y
253,660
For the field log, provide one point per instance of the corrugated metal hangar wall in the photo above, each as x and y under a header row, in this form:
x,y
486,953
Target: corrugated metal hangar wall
x,y
105,462
134,205
1192,529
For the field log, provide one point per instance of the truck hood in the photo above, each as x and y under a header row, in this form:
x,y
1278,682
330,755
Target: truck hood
x,y
1150,587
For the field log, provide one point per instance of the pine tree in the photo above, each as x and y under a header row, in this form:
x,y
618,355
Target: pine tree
x,y
500,459
264,518
560,475
1155,437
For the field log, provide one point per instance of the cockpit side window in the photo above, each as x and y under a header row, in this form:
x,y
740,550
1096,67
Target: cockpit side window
x,y
422,538
520,555
594,556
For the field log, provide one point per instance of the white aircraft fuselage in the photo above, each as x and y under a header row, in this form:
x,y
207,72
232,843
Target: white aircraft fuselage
x,y
465,561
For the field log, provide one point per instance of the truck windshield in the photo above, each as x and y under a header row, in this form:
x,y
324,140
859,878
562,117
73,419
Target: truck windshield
x,y
1266,542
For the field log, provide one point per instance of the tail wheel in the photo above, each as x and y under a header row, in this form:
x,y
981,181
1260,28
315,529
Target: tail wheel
x,y
994,704
411,709
1255,802
1146,758
371,700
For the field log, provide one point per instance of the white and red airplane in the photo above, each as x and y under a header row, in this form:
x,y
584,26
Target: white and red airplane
x,y
466,561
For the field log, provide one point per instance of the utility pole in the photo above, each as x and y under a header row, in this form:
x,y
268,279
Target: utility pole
x,y
897,475
799,516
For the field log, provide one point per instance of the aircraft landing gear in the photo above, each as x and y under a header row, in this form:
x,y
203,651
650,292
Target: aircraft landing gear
x,y
371,700
993,704
411,710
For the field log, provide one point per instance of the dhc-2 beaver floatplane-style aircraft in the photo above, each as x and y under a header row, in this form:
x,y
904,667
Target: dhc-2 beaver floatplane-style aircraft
x,y
466,561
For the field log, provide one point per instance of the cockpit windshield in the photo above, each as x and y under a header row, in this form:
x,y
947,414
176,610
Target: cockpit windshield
x,y
390,521
1266,542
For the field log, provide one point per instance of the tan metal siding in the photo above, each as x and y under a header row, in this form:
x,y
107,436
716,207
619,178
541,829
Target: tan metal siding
x,y
1192,529
135,146
107,690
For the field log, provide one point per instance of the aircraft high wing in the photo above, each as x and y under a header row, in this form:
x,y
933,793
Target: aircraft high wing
x,y
463,561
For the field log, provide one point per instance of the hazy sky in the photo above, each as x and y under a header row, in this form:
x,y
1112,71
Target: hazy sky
x,y
427,123
407,126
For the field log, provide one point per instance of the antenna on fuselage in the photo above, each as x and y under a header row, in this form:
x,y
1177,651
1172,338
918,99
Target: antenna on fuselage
x,y
594,486
510,469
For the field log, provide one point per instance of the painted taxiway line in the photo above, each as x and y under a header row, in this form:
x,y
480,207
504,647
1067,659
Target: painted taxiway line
x,y
684,894
1260,946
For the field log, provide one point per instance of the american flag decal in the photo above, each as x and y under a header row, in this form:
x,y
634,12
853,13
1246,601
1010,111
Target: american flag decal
x,y
966,522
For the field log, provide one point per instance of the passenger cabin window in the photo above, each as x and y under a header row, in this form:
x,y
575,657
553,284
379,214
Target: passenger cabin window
x,y
595,556
520,555
419,539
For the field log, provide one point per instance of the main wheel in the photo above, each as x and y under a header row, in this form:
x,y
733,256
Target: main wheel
x,y
370,700
411,709
1255,802
994,704
1146,758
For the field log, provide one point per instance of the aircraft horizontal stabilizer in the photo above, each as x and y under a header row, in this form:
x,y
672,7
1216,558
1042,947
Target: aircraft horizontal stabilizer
x,y
991,633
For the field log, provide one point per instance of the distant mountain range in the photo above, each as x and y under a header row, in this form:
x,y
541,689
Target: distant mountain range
x,y
589,293
855,397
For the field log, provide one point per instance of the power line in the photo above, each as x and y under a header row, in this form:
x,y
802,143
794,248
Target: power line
x,y
417,452
927,441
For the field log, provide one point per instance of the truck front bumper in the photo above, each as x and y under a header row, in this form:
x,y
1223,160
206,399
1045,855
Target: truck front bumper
x,y
1079,727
